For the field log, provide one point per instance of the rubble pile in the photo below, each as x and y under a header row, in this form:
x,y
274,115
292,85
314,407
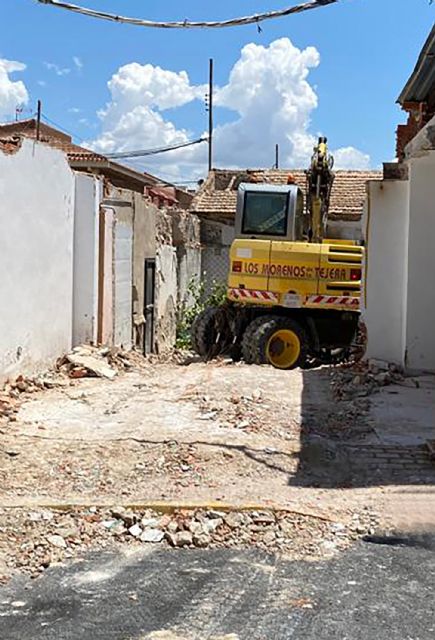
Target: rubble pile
x,y
14,390
83,362
101,362
31,541
363,379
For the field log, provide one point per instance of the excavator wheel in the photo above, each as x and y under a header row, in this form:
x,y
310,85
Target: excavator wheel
x,y
204,333
276,340
211,334
249,354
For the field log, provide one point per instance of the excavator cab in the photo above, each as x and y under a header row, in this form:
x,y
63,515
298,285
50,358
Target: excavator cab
x,y
270,212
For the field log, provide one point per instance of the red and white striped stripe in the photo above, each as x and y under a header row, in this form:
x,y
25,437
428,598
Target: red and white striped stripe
x,y
341,301
249,294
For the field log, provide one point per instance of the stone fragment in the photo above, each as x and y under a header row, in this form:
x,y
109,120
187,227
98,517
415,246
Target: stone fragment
x,y
235,519
269,537
180,539
135,531
263,517
57,541
149,522
152,535
202,540
95,365
210,526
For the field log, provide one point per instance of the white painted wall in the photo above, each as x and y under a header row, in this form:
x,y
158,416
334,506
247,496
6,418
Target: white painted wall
x,y
88,194
36,258
386,234
420,303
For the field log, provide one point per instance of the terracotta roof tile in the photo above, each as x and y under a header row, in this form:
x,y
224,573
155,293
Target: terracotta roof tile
x,y
347,198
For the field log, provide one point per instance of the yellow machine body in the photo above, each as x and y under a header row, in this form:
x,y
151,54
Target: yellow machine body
x,y
296,274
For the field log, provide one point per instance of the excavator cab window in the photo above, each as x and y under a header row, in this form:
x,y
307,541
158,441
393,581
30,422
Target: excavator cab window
x,y
265,214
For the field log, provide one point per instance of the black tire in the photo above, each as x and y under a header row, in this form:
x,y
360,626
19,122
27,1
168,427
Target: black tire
x,y
260,335
204,333
248,350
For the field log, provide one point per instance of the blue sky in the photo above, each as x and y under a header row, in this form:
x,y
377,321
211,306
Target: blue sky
x,y
367,51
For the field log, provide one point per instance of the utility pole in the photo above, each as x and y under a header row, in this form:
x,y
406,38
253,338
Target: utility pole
x,y
38,120
210,116
277,156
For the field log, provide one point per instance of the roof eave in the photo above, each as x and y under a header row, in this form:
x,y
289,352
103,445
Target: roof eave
x,y
126,172
425,67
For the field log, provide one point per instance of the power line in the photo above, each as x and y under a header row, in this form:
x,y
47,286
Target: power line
x,y
186,24
58,126
153,152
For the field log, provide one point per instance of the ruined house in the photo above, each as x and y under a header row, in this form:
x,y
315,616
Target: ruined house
x,y
84,252
399,296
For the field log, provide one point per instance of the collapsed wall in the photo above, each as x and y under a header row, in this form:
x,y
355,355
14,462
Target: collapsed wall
x,y
178,263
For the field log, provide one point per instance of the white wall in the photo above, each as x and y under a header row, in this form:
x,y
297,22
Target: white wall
x,y
420,334
386,231
88,194
36,258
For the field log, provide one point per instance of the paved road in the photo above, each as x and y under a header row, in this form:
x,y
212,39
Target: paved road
x,y
373,591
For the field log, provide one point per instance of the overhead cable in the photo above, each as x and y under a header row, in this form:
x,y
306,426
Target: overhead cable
x,y
187,24
152,152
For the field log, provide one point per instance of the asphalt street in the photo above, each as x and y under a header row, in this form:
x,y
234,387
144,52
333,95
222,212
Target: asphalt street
x,y
373,591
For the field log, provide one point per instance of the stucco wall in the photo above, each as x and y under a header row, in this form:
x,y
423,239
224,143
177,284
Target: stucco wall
x,y
420,303
36,258
88,194
166,297
386,230
186,239
144,246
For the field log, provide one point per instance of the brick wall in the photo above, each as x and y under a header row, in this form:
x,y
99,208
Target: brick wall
x,y
405,133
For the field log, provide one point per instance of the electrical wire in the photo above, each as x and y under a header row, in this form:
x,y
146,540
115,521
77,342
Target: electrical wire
x,y
186,24
58,126
152,152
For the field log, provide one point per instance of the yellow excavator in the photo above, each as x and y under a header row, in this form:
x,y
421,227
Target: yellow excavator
x,y
293,295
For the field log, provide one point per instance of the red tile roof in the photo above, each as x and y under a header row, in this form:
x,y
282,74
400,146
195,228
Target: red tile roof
x,y
218,196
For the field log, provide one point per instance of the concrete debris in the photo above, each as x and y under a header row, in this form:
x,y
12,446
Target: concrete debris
x,y
180,539
90,365
57,541
152,535
32,541
362,379
135,531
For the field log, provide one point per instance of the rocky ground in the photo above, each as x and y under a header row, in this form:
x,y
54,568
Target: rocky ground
x,y
110,449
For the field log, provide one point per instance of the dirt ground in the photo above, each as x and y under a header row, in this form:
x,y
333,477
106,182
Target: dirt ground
x,y
201,434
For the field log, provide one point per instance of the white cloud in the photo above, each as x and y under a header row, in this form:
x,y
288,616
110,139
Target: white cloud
x,y
351,158
12,93
268,91
74,110
78,63
59,71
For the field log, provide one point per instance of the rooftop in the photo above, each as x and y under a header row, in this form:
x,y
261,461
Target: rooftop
x,y
84,159
217,197
421,85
